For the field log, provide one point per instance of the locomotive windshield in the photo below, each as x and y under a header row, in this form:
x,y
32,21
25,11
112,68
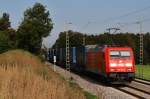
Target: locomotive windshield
x,y
118,54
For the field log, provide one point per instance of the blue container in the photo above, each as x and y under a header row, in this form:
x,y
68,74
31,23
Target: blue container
x,y
74,55
63,57
80,56
60,56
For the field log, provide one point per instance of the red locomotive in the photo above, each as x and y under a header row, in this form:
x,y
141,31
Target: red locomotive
x,y
113,63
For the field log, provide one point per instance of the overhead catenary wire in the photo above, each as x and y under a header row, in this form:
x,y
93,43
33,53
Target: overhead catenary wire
x,y
127,14
106,21
84,34
116,18
121,25
119,17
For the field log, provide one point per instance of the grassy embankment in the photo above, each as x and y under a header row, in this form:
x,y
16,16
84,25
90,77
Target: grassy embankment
x,y
24,76
146,71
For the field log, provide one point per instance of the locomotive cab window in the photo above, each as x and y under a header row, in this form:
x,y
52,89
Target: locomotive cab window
x,y
125,53
114,54
119,54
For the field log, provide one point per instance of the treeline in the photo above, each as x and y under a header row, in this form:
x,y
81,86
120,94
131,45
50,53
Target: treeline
x,y
121,39
36,24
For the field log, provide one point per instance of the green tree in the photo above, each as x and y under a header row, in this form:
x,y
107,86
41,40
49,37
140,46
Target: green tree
x,y
4,22
4,46
35,25
75,39
7,34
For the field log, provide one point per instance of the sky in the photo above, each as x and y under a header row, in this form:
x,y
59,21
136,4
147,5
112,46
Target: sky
x,y
86,16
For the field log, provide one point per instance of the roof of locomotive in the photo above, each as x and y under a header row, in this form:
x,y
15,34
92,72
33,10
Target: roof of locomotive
x,y
106,46
117,48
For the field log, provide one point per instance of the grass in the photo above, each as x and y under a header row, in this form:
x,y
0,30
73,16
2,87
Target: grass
x,y
90,96
146,71
24,76
87,94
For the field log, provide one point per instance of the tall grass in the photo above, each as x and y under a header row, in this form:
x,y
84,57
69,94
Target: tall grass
x,y
23,76
146,71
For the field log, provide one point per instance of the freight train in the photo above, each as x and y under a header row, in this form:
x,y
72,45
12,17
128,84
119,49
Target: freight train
x,y
114,63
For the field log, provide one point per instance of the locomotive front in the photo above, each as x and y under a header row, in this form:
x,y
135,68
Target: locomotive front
x,y
120,64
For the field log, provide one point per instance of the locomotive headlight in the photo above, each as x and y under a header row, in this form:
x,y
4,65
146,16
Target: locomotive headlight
x,y
121,64
129,69
113,64
128,64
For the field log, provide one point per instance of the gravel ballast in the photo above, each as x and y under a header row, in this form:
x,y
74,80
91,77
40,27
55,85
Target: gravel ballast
x,y
102,92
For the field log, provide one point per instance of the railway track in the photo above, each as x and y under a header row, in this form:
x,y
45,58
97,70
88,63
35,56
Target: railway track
x,y
138,88
146,82
93,85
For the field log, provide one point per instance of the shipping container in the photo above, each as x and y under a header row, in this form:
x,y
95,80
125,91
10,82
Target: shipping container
x,y
73,57
94,59
80,57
